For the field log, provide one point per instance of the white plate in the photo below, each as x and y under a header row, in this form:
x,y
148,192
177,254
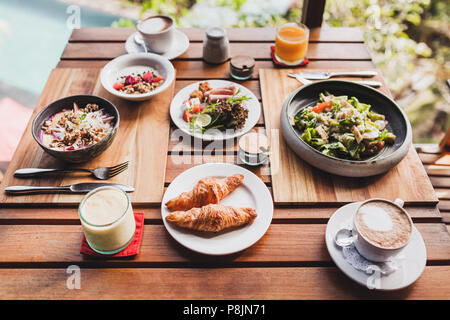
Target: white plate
x,y
251,193
253,106
411,267
180,45
136,63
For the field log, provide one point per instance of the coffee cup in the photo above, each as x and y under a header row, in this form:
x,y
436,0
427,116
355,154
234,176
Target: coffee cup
x,y
381,229
157,32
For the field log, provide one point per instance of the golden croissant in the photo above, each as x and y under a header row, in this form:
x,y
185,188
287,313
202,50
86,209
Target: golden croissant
x,y
207,191
212,217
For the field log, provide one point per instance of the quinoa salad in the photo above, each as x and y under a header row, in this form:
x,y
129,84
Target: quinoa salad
x,y
77,128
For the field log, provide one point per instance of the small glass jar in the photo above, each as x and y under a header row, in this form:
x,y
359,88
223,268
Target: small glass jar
x,y
215,46
107,219
253,148
241,67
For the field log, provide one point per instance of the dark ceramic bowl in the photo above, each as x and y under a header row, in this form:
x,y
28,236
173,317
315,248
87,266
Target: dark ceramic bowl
x,y
80,155
388,157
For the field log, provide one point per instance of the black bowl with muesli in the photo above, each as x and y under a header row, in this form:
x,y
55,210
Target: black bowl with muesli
x,y
76,128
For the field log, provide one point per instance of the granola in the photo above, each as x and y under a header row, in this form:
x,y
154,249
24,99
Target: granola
x,y
140,83
75,129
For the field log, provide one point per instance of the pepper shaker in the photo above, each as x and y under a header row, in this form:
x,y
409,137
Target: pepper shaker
x,y
215,46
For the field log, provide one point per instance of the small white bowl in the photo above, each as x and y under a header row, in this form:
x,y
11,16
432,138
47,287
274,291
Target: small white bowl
x,y
136,63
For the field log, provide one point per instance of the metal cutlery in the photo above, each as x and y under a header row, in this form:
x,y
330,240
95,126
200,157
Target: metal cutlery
x,y
75,188
102,173
138,39
299,77
328,75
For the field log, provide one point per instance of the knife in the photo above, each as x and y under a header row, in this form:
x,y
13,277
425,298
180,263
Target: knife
x,y
299,77
328,75
75,188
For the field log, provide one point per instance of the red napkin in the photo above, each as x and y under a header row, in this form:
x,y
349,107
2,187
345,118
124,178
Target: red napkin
x,y
281,64
131,250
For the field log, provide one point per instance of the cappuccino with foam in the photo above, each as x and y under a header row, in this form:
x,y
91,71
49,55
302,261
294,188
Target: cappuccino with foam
x,y
383,224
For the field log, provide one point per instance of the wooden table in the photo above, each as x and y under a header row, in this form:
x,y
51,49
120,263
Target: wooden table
x,y
290,262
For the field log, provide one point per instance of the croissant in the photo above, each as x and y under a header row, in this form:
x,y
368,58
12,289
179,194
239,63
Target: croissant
x,y
212,217
206,191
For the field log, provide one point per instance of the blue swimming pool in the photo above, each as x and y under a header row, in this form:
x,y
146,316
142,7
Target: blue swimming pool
x,y
33,34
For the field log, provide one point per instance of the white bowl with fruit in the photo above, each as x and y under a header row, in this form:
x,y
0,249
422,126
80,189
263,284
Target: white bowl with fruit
x,y
138,76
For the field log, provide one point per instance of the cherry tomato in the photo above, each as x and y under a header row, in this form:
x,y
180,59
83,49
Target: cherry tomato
x,y
198,109
148,76
118,85
187,116
158,78
321,106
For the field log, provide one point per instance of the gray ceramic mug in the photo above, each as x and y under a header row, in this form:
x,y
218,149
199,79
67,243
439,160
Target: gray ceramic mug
x,y
157,41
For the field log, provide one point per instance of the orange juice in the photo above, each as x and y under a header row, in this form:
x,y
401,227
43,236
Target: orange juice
x,y
291,43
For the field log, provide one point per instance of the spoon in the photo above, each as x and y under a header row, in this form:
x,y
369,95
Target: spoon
x,y
138,39
344,237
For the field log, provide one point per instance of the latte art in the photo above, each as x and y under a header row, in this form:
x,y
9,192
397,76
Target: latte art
x,y
155,24
383,224
376,218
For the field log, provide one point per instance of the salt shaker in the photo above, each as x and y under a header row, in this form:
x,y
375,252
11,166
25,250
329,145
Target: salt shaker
x,y
215,46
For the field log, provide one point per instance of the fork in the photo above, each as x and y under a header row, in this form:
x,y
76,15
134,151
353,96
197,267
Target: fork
x,y
101,173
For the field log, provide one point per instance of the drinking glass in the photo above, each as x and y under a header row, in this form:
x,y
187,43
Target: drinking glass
x,y
115,234
291,43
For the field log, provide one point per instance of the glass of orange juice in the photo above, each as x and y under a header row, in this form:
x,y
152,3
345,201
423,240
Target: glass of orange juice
x,y
291,43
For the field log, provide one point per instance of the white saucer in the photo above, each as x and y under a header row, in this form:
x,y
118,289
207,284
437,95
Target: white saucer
x,y
180,45
251,193
411,266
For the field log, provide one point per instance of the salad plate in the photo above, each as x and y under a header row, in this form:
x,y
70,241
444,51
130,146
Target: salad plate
x,y
205,124
345,128
251,193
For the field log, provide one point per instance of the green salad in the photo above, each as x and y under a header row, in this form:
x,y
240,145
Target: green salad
x,y
343,127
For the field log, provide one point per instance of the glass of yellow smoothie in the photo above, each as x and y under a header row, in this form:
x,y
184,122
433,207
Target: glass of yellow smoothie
x,y
291,43
107,219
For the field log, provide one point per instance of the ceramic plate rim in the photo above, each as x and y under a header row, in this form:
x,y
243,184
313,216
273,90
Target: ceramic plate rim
x,y
183,94
252,235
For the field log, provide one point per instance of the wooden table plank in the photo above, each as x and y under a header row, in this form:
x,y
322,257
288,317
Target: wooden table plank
x,y
187,70
343,34
69,215
282,244
182,143
437,170
443,193
440,182
233,283
177,164
316,51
